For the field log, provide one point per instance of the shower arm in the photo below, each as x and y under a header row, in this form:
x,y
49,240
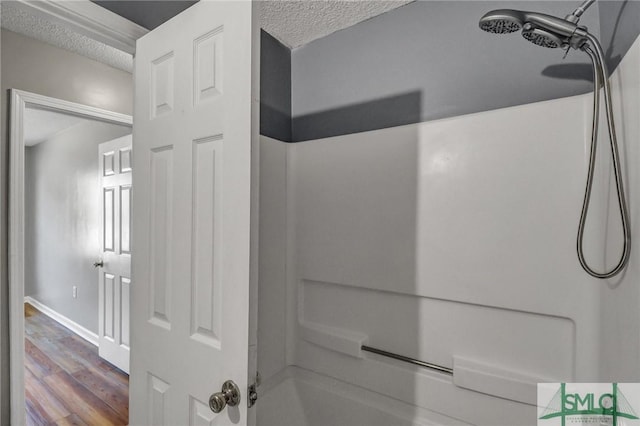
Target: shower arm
x,y
594,50
576,14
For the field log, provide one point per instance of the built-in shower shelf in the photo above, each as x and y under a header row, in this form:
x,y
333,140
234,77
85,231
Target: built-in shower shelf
x,y
481,377
337,339
472,374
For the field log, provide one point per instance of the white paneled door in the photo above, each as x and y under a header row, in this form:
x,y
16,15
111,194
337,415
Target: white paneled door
x,y
193,133
115,165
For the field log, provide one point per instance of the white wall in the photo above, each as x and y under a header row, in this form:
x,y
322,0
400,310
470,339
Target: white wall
x,y
63,221
453,241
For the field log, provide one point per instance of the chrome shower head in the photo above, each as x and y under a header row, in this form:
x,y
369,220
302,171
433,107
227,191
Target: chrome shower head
x,y
539,28
541,37
502,21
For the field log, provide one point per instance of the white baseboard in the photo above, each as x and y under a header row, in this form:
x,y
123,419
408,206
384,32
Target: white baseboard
x,y
89,336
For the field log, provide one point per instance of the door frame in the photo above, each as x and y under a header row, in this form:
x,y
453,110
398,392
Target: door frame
x,y
19,101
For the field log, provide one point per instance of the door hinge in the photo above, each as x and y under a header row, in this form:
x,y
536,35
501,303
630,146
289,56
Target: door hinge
x,y
252,392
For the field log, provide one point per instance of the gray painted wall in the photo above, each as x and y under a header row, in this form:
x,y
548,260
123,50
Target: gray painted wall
x,y
429,60
275,88
63,220
37,67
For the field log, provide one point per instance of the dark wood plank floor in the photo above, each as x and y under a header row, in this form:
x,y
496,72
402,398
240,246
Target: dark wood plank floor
x,y
66,382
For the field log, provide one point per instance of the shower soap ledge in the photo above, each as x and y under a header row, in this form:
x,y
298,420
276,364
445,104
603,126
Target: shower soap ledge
x,y
509,384
337,339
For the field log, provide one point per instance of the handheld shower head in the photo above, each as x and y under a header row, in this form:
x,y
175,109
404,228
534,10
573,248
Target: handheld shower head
x,y
552,32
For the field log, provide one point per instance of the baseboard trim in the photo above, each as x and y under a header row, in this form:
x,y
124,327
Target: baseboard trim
x,y
88,335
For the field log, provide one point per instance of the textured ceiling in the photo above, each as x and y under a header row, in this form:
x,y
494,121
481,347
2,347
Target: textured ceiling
x,y
41,125
16,20
296,23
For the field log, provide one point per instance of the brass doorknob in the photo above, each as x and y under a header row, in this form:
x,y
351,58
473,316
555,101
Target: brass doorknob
x,y
98,264
230,395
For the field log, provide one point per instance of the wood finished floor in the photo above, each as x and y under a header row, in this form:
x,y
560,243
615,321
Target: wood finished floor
x,y
66,382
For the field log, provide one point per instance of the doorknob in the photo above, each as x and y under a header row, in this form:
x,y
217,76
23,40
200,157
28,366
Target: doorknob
x,y
230,395
98,264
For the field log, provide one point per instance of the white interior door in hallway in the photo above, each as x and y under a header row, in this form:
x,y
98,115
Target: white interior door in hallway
x,y
194,127
115,166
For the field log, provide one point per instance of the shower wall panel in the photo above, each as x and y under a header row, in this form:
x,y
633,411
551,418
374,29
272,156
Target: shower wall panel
x,y
447,241
620,315
272,295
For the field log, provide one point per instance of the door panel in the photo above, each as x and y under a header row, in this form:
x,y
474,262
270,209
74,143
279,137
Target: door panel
x,y
108,219
161,236
113,297
206,321
193,131
125,218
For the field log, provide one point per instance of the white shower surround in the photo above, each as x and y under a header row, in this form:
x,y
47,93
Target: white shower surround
x,y
453,241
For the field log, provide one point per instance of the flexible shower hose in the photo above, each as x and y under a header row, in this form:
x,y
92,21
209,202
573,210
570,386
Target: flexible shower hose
x,y
600,77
